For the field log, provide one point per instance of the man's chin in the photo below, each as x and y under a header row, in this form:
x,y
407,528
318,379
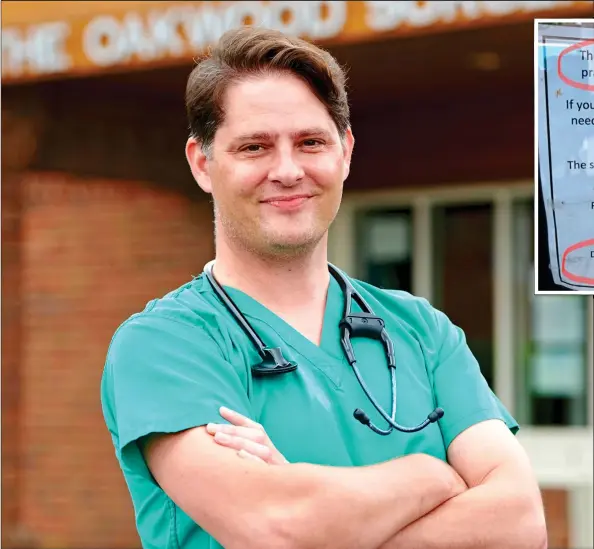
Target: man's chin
x,y
295,244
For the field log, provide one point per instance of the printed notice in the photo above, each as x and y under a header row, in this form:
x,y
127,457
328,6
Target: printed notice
x,y
565,100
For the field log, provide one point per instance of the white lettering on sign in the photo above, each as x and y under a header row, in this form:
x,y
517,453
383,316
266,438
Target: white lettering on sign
x,y
381,16
102,42
164,30
204,27
332,24
185,29
108,41
293,18
41,50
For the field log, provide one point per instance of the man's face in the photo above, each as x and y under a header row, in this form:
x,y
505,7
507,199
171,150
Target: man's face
x,y
277,166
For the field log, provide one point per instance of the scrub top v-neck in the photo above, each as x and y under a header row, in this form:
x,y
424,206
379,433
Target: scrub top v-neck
x,y
171,367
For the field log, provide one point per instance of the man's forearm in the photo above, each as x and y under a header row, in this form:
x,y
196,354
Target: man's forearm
x,y
364,507
248,504
491,516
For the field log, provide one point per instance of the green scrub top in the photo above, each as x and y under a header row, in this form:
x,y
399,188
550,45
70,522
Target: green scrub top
x,y
171,366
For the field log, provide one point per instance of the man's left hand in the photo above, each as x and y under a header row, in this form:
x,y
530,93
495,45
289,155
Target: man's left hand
x,y
246,436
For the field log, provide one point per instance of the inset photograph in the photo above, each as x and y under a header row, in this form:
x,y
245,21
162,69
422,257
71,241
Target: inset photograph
x,y
564,87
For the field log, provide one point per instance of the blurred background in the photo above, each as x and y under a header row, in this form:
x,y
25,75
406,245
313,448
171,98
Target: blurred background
x,y
100,214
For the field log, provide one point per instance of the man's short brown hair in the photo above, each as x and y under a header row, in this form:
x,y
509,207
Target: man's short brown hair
x,y
249,51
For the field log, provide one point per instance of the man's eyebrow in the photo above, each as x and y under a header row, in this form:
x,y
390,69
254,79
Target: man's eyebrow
x,y
311,132
267,136
255,136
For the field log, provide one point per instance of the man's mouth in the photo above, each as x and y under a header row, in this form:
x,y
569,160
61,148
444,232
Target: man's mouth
x,y
287,202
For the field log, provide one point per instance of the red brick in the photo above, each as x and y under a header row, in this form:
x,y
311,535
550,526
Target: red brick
x,y
93,252
11,349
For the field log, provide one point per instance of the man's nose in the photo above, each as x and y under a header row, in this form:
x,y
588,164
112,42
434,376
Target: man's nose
x,y
286,168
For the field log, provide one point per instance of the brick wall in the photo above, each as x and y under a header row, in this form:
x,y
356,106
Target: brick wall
x,y
11,347
22,123
93,252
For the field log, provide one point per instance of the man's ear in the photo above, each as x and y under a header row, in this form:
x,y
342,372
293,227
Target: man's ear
x,y
198,164
348,145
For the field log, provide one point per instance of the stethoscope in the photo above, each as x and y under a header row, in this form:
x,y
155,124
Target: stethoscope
x,y
364,324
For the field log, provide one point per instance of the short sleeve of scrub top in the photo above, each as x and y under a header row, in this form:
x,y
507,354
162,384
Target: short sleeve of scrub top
x,y
165,372
164,376
458,383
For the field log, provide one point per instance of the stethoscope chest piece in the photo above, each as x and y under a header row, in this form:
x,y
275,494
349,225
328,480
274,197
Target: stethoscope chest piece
x,y
273,363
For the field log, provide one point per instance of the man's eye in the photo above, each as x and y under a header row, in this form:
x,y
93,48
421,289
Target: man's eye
x,y
312,142
253,148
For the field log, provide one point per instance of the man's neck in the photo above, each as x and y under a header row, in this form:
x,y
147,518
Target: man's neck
x,y
282,285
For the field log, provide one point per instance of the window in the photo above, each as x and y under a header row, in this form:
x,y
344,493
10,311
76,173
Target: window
x,y
544,361
551,341
463,285
384,248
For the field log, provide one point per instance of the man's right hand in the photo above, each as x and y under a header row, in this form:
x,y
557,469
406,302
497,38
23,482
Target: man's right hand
x,y
247,437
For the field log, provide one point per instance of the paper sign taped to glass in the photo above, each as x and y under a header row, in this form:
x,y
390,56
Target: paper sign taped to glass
x,y
566,149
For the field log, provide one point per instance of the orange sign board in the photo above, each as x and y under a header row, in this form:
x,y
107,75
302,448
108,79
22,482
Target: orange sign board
x,y
56,39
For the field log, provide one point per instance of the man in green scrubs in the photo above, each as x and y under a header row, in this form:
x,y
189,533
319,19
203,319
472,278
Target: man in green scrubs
x,y
284,464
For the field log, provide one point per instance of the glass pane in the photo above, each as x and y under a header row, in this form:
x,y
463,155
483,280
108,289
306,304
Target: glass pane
x,y
551,340
463,286
384,248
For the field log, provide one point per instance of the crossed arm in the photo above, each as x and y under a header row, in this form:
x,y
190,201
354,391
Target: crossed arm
x,y
502,507
486,497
